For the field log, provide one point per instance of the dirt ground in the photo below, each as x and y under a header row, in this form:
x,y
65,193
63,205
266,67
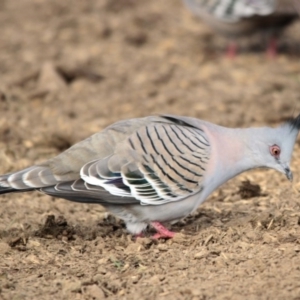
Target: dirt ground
x,y
68,69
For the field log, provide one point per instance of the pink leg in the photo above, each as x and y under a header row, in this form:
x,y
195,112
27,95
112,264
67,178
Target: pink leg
x,y
272,48
162,232
231,50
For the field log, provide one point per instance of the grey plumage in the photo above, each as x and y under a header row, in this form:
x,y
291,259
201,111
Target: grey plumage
x,y
155,169
240,18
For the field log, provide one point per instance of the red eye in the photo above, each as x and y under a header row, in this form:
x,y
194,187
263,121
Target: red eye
x,y
275,151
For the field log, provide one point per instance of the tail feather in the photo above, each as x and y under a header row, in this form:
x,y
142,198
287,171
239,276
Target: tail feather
x,y
34,177
5,190
5,186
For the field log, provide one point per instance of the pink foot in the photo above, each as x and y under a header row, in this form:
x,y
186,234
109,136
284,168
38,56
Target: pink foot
x,y
162,232
272,48
231,50
139,235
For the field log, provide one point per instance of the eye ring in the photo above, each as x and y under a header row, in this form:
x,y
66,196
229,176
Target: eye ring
x,y
275,151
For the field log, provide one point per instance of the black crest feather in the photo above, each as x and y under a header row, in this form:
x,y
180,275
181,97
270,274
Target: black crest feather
x,y
294,122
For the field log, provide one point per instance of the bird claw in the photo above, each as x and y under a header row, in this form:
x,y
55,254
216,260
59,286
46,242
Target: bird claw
x,y
163,236
139,235
162,232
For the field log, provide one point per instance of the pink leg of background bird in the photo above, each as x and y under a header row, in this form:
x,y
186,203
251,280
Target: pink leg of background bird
x,y
272,48
231,50
162,232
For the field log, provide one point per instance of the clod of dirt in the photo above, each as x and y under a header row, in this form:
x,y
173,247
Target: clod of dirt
x,y
269,221
272,221
3,96
137,39
60,142
56,228
50,79
249,190
70,74
26,79
19,243
95,292
111,225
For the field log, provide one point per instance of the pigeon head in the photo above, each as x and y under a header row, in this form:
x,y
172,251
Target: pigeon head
x,y
276,146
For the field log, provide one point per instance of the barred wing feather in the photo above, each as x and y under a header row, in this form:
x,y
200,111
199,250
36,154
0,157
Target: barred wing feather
x,y
158,163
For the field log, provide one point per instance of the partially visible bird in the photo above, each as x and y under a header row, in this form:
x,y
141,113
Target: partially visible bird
x,y
158,169
242,18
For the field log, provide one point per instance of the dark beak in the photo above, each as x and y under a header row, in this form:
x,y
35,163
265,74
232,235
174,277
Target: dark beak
x,y
289,174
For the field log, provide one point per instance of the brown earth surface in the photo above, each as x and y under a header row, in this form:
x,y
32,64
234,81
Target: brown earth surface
x,y
70,68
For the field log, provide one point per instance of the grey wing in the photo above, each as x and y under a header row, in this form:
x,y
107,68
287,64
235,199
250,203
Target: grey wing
x,y
43,179
152,160
159,163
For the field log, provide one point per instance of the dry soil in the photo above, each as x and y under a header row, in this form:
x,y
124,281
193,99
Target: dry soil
x,y
70,68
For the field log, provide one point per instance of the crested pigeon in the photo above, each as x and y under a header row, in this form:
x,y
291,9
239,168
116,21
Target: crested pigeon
x,y
158,169
240,18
